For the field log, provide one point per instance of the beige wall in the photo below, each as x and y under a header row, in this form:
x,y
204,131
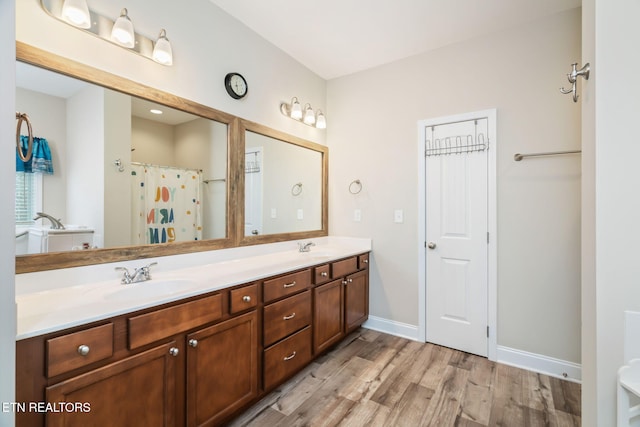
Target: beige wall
x,y
373,137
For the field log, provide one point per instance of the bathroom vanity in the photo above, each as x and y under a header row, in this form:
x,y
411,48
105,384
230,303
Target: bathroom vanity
x,y
197,356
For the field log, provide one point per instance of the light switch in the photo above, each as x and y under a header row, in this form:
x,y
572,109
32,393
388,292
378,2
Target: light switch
x,y
357,215
398,216
274,213
300,214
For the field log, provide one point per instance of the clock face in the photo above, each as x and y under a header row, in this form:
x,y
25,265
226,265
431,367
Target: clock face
x,y
236,85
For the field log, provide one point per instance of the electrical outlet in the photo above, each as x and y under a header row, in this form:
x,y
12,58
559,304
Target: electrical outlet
x,y
274,213
300,214
398,216
357,215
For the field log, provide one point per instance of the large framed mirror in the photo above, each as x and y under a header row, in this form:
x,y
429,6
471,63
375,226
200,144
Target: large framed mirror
x,y
283,186
205,145
127,183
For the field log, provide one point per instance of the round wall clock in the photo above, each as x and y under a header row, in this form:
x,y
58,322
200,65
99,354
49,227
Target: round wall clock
x,y
236,85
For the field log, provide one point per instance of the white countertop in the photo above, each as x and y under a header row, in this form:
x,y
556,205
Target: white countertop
x,y
56,300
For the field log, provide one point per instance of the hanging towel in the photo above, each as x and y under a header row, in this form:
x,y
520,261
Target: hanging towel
x,y
40,160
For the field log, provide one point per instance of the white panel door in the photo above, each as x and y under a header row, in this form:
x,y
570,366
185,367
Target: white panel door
x,y
457,249
253,192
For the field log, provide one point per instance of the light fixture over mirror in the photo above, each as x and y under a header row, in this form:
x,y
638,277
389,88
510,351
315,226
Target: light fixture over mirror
x,y
76,12
119,32
307,116
122,31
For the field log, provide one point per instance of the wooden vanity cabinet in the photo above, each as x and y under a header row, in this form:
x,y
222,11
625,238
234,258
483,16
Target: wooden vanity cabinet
x,y
138,391
222,369
195,362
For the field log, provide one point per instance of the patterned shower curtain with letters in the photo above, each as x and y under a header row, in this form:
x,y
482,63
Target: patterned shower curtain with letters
x,y
165,204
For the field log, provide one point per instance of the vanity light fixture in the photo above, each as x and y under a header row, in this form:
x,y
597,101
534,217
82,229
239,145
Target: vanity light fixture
x,y
162,52
155,111
305,115
119,31
122,31
76,13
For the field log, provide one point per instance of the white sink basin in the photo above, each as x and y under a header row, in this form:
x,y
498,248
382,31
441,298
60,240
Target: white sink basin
x,y
150,289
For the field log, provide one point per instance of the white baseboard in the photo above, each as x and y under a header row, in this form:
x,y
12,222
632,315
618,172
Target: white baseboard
x,y
509,356
391,327
542,364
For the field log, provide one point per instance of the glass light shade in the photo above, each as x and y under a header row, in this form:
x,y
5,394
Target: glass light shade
x,y
309,116
162,52
296,109
321,121
122,32
76,13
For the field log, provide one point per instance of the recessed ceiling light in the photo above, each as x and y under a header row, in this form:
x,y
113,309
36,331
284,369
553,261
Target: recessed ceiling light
x,y
154,111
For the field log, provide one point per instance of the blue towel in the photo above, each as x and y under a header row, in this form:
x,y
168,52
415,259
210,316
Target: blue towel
x,y
40,160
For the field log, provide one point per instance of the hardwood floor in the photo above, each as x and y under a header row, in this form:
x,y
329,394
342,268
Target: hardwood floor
x,y
374,379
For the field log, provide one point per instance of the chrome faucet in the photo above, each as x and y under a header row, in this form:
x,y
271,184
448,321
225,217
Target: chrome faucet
x,y
141,274
305,247
56,224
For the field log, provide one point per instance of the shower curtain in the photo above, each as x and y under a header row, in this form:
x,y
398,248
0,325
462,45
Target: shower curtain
x,y
166,204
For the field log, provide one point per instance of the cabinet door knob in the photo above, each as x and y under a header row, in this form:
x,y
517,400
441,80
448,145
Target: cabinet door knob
x,y
83,350
431,245
289,317
289,285
366,261
344,282
291,356
193,343
246,298
350,280
174,351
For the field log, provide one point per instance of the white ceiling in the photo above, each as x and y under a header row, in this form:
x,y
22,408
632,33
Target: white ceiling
x,y
339,37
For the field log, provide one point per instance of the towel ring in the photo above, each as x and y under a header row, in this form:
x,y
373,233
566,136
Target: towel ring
x,y
22,117
296,189
355,187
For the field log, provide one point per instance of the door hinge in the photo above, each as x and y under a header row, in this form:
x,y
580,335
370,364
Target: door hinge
x,y
487,332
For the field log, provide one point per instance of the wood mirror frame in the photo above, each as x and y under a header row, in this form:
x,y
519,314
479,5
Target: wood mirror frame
x,y
248,126
235,176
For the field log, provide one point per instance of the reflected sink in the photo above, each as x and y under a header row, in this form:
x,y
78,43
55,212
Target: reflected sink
x,y
150,289
318,255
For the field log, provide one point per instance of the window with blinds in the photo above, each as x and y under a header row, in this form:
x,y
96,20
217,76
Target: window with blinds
x,y
26,193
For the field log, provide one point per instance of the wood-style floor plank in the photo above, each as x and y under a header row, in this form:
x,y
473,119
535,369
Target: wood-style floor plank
x,y
372,379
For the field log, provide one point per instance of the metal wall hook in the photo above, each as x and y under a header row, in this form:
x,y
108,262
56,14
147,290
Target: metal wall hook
x,y
573,77
118,163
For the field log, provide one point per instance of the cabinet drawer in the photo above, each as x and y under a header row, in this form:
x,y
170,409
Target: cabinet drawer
x,y
150,327
321,274
287,357
243,298
67,352
363,261
284,317
344,267
286,285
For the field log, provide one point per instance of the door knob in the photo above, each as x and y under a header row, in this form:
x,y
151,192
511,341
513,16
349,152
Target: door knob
x,y
431,245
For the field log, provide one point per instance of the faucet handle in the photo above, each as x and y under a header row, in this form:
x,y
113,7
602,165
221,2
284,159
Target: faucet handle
x,y
126,276
147,270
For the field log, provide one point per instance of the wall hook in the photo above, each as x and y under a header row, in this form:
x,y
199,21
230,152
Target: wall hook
x,y
118,163
573,77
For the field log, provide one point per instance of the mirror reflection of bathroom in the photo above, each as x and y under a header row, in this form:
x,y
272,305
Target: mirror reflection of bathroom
x,y
118,174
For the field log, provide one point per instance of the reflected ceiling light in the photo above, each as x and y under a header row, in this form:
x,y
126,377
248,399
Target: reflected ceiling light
x,y
295,111
162,52
76,13
122,32
154,111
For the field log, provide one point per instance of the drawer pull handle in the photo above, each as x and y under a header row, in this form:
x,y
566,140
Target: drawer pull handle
x,y
289,317
193,343
174,351
324,274
83,350
246,298
291,356
289,285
